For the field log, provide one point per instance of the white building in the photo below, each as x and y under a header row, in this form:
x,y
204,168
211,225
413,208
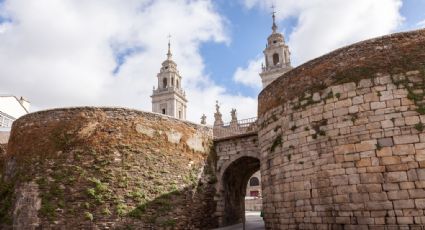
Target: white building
x,y
11,108
277,57
169,98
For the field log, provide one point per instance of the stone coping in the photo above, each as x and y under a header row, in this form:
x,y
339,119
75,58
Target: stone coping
x,y
106,109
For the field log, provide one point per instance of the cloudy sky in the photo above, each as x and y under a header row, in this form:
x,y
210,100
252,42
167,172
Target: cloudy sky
x,y
61,53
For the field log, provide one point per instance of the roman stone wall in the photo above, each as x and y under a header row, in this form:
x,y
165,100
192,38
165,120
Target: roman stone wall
x,y
107,168
342,138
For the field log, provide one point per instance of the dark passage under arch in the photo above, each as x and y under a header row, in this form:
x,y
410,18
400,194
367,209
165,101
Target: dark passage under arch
x,y
235,180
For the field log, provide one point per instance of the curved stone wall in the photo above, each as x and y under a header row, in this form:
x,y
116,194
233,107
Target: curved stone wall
x,y
342,138
108,168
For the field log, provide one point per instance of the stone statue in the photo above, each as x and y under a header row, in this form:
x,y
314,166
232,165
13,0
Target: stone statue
x,y
234,121
218,121
203,119
217,107
233,114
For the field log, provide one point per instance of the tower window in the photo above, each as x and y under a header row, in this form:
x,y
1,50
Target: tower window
x,y
254,181
274,42
180,114
163,111
172,81
164,83
177,84
275,59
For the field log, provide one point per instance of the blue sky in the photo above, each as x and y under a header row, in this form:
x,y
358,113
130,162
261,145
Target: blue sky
x,y
252,26
60,53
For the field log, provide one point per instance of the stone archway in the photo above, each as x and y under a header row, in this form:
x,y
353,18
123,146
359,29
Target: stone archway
x,y
235,179
238,158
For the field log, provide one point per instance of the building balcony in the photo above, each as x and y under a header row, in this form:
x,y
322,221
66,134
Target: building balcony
x,y
169,90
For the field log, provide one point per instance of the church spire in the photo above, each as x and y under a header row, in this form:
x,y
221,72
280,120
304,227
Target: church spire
x,y
169,55
274,26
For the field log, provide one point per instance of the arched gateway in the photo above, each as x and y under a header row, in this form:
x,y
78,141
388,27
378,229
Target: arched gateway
x,y
238,159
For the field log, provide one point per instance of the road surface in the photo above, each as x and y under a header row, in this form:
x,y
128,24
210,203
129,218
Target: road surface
x,y
253,222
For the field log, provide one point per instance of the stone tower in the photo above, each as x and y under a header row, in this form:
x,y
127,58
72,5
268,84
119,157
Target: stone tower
x,y
277,57
169,98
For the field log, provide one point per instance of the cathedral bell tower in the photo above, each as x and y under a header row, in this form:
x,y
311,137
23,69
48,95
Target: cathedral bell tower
x,y
169,98
277,57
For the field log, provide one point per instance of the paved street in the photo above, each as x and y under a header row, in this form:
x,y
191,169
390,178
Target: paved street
x,y
253,222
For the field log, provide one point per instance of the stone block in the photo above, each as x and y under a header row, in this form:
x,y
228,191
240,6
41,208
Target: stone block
x,y
369,187
395,177
344,149
377,105
364,162
339,180
390,160
402,204
366,145
398,167
398,195
405,220
421,173
359,197
378,196
371,178
406,139
420,203
417,193
387,124
379,205
403,149
341,198
412,120
386,151
385,142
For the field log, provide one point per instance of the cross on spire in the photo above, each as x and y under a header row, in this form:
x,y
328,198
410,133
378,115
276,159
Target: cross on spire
x,y
274,26
169,55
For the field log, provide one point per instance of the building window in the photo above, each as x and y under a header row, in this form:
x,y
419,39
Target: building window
x,y
254,193
164,83
172,81
177,84
254,181
275,59
180,114
163,111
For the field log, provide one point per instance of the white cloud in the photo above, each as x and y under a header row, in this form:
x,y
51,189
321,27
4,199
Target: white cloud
x,y
326,25
63,53
249,76
421,23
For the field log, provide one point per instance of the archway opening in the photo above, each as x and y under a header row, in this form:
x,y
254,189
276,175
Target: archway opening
x,y
235,181
253,198
275,59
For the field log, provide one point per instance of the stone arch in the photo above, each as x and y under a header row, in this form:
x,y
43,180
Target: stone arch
x,y
235,179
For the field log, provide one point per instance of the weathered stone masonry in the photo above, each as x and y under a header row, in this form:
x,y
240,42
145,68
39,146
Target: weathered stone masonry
x,y
238,158
98,168
341,138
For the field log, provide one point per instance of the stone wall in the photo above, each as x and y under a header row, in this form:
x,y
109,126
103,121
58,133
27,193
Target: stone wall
x,y
107,168
342,138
